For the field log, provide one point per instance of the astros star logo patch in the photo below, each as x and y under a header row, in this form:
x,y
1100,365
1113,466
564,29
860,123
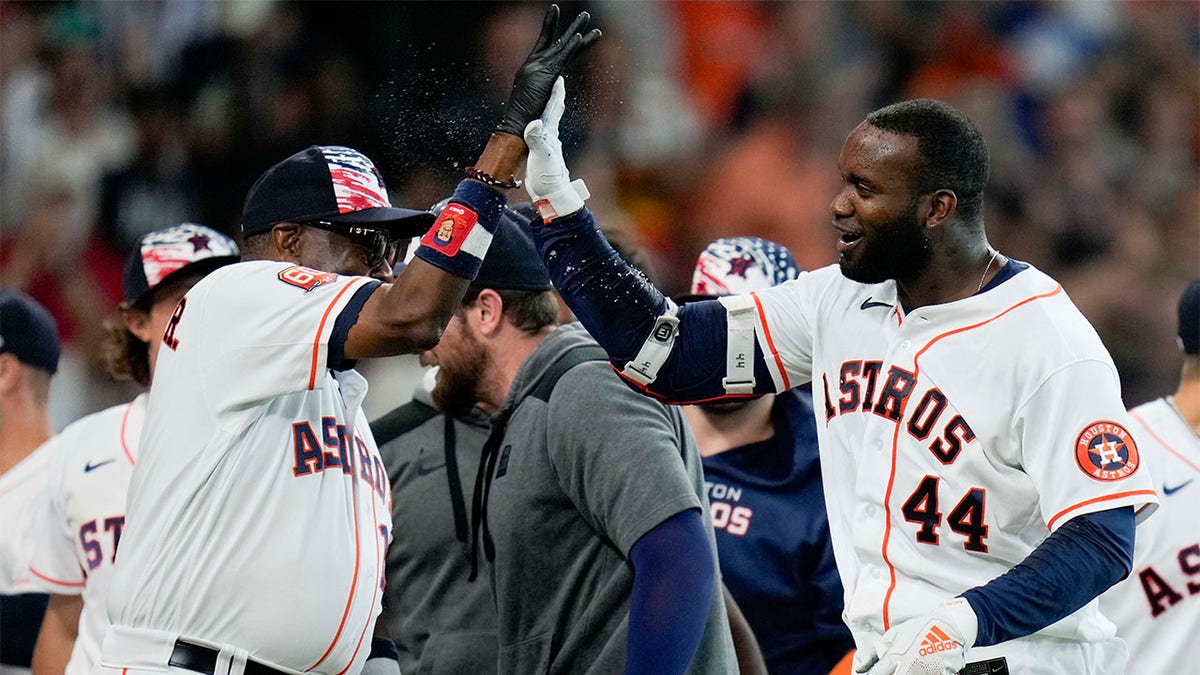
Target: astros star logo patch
x,y
1105,451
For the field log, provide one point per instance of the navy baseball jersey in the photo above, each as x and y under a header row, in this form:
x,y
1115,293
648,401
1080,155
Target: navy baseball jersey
x,y
773,542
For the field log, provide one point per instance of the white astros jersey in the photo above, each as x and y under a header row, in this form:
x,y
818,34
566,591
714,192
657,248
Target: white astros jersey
x,y
22,492
953,440
1157,607
81,522
254,522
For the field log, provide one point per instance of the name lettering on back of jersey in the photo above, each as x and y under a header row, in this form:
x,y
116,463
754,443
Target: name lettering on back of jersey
x,y
1106,451
306,278
331,451
1161,594
169,338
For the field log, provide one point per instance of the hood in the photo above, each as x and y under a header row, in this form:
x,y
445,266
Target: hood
x,y
763,464
547,352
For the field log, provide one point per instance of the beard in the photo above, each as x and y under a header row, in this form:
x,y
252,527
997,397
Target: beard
x,y
457,388
898,249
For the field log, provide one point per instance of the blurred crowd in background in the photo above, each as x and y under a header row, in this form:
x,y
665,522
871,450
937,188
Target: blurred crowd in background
x,y
690,120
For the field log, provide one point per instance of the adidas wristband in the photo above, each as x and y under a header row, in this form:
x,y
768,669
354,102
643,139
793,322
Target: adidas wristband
x,y
462,233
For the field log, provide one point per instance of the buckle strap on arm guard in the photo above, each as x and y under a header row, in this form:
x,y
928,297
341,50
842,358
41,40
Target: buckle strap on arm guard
x,y
739,347
644,367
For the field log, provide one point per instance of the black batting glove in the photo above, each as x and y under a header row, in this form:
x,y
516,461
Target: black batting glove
x,y
535,79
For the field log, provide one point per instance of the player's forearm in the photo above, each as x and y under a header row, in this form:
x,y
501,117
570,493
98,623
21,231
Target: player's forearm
x,y
1072,566
502,156
616,304
673,584
56,639
621,309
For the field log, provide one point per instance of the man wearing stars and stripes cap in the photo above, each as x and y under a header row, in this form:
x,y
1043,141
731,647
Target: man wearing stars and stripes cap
x,y
764,483
259,513
733,265
80,524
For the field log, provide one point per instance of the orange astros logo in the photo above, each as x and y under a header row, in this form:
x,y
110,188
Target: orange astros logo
x,y
937,641
1105,451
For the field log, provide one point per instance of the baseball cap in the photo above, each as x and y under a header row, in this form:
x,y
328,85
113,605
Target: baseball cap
x,y
1189,318
736,265
27,331
330,183
161,254
512,261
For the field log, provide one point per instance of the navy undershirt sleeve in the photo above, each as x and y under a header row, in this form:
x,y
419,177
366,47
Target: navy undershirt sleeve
x,y
619,306
673,583
345,321
1076,563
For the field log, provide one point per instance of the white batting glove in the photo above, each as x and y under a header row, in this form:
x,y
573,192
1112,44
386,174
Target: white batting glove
x,y
546,177
933,644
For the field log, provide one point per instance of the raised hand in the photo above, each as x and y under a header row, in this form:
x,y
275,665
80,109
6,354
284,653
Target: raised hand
x,y
551,55
546,177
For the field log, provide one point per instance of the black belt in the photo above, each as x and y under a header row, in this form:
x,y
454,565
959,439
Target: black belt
x,y
204,660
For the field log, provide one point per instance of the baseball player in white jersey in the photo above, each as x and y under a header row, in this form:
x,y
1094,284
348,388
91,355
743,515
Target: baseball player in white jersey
x,y
82,521
259,510
1157,609
979,474
29,351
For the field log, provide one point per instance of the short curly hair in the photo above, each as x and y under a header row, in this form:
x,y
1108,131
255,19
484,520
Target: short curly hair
x,y
952,151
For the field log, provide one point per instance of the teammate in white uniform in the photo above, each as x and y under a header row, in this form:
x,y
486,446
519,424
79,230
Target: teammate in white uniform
x,y
1157,609
978,472
29,352
259,510
82,521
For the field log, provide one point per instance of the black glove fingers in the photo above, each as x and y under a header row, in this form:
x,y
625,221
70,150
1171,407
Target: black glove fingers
x,y
577,26
549,29
590,37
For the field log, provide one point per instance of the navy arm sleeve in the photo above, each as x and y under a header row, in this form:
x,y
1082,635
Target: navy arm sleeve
x,y
1072,566
673,583
619,306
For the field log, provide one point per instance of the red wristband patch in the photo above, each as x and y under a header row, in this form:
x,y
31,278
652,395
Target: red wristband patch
x,y
450,229
1105,451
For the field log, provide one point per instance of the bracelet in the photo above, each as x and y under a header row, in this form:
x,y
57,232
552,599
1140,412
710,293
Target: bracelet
x,y
490,180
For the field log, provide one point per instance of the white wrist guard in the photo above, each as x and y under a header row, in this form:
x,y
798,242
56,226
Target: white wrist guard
x,y
562,202
547,180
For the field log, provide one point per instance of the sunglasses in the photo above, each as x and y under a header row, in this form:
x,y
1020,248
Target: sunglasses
x,y
379,245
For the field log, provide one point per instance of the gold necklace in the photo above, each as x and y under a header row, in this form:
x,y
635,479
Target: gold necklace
x,y
995,254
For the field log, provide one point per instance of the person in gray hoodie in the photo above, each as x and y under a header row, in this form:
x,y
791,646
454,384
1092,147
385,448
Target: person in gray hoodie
x,y
587,495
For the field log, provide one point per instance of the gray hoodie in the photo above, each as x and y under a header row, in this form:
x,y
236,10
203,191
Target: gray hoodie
x,y
441,623
579,478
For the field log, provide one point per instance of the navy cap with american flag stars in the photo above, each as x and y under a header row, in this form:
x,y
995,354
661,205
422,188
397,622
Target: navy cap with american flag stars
x,y
160,254
736,265
330,183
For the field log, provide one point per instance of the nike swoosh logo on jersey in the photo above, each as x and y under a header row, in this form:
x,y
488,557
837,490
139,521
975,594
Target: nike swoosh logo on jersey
x,y
868,304
1172,490
87,468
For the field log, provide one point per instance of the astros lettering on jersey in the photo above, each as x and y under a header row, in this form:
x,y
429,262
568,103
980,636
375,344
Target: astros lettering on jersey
x,y
259,510
82,520
944,467
1157,607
